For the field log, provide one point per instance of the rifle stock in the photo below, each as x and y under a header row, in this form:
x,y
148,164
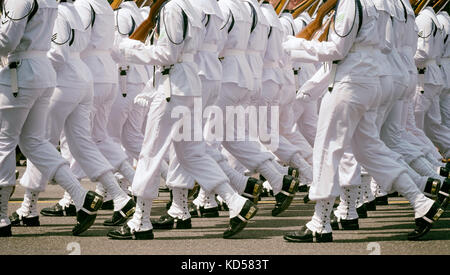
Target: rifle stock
x,y
300,8
116,4
308,32
144,29
313,8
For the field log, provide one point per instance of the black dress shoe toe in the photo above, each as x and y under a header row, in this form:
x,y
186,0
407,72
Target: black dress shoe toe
x,y
121,216
424,224
383,200
444,172
286,195
168,222
342,224
371,205
253,189
362,211
108,205
238,223
5,231
303,188
125,233
58,210
304,235
17,220
87,214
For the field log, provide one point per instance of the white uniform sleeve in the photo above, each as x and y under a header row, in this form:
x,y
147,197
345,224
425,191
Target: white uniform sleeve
x,y
11,31
337,47
424,43
165,52
58,53
124,25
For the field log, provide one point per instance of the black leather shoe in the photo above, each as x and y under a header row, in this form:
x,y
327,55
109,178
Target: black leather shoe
x,y
383,200
168,222
432,187
424,224
58,210
253,189
87,214
238,223
5,231
292,171
108,205
443,197
447,165
371,205
284,198
444,172
121,216
304,235
341,224
17,220
362,211
124,233
202,212
303,188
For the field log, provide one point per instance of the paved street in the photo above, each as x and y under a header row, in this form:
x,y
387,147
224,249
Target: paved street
x,y
384,232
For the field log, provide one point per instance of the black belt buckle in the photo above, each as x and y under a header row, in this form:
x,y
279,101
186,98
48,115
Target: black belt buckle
x,y
166,71
421,71
13,65
295,71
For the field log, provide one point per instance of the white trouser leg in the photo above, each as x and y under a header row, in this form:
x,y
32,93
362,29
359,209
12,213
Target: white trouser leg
x,y
179,206
119,197
5,192
424,168
320,221
67,180
405,187
444,104
234,201
306,173
141,216
434,128
268,170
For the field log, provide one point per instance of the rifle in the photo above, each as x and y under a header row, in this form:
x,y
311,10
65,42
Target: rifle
x,y
139,3
280,6
439,5
301,7
313,9
308,32
422,4
149,23
326,29
116,4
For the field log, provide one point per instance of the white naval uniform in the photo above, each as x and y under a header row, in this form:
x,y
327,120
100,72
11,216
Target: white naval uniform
x,y
23,116
444,102
70,108
430,84
98,18
348,112
126,118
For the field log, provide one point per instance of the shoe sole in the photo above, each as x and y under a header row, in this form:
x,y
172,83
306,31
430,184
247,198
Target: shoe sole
x,y
57,215
285,205
311,240
242,225
417,237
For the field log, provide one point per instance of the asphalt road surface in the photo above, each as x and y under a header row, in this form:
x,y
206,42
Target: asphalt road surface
x,y
383,232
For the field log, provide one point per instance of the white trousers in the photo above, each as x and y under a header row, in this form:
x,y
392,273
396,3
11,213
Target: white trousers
x,y
348,117
160,130
23,121
125,121
306,122
445,107
70,110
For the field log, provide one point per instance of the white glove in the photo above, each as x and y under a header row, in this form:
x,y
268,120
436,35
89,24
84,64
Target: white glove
x,y
303,96
143,99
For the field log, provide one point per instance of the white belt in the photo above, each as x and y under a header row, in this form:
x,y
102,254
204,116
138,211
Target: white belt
x,y
24,55
233,52
358,48
254,52
186,57
270,64
208,47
